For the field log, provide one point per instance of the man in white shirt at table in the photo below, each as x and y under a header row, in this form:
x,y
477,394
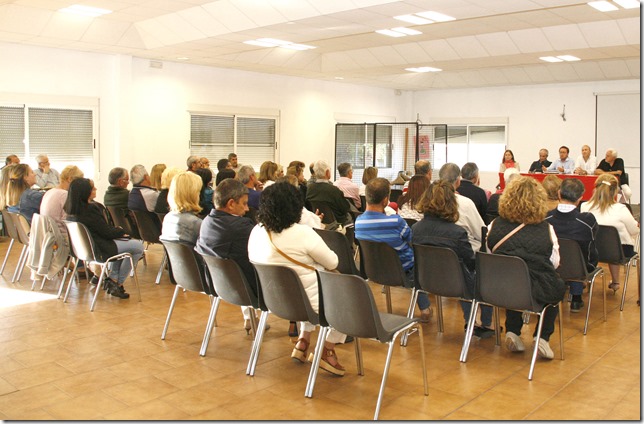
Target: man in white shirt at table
x,y
586,163
564,165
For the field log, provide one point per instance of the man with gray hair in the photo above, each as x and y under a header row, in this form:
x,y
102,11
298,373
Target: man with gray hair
x,y
468,216
322,191
143,196
345,183
611,164
225,231
248,178
46,177
117,193
422,167
470,187
193,162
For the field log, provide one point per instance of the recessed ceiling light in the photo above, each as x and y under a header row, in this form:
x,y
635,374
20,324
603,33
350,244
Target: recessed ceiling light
x,y
339,78
412,19
423,69
273,42
390,33
294,46
259,43
603,6
183,58
551,59
435,16
628,4
78,9
407,31
568,58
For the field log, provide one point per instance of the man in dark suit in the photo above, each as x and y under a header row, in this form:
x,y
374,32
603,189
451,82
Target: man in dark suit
x,y
543,161
470,189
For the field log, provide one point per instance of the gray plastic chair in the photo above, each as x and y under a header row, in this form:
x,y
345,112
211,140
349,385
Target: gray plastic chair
x,y
504,282
328,219
149,228
12,232
609,250
572,267
82,247
382,266
281,293
189,272
340,245
230,284
23,229
347,305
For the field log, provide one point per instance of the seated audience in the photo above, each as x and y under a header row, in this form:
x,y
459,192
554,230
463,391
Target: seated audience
x,y
248,178
5,177
571,224
108,240
493,204
322,191
613,165
11,160
181,223
422,167
223,164
407,202
522,209
193,162
369,174
586,163
155,175
551,184
375,225
143,197
438,228
563,165
348,187
310,219
53,202
205,162
608,211
168,174
268,173
46,177
304,251
508,162
543,162
469,187
117,193
206,191
234,162
296,168
222,175
20,198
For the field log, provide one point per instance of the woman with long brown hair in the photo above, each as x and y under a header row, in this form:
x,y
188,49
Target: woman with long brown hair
x,y
408,201
20,198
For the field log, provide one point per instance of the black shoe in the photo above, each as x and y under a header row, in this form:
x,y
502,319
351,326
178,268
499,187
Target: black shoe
x,y
483,332
576,305
94,280
349,339
116,290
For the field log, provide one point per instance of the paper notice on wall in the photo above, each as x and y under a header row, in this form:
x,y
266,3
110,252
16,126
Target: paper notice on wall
x,y
423,147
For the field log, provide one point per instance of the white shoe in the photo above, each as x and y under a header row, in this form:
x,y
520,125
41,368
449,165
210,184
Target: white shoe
x,y
513,342
544,349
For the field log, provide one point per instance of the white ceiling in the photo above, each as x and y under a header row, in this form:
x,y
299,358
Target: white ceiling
x,y
491,42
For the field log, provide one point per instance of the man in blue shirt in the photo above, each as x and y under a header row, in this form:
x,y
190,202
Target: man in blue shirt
x,y
375,225
564,164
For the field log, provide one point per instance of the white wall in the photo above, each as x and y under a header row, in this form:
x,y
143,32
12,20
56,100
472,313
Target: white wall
x,y
533,114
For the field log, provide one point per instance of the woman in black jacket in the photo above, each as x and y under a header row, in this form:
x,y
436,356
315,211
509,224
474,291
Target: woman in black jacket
x,y
108,240
438,228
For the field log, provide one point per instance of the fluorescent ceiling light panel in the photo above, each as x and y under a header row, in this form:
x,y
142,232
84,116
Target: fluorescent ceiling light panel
x,y
390,33
259,43
628,4
294,46
406,31
603,6
568,58
273,41
551,59
435,16
78,9
423,69
412,19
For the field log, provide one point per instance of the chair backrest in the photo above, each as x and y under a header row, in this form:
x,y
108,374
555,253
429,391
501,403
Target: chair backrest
x,y
439,271
395,194
80,240
120,219
609,246
572,266
504,281
9,225
22,227
229,281
149,226
340,245
323,207
410,221
281,291
347,305
381,263
363,201
187,267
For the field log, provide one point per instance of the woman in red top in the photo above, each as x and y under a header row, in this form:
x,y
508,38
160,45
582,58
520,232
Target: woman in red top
x,y
508,161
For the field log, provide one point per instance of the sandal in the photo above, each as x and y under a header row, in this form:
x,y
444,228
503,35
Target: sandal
x,y
326,365
300,354
614,287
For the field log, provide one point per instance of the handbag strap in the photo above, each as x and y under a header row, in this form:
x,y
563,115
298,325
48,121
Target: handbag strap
x,y
296,262
507,236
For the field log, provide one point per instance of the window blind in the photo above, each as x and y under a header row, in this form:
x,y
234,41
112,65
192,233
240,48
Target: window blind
x,y
12,132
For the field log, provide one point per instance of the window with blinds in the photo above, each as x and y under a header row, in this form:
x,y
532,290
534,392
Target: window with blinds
x,y
66,136
251,138
483,144
355,144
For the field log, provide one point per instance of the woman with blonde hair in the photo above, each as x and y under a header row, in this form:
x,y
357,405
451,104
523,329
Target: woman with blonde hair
x,y
369,174
268,173
521,230
604,206
53,202
182,223
155,175
20,197
168,174
5,174
551,184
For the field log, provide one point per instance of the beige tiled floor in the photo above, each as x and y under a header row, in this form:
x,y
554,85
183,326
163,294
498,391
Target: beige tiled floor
x,y
59,361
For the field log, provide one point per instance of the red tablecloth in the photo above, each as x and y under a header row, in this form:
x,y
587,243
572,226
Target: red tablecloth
x,y
588,180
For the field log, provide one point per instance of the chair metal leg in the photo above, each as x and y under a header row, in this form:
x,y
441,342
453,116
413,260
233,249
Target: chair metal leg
x,y
99,286
388,297
410,314
315,366
167,320
422,359
439,312
628,271
66,270
591,285
470,330
162,267
359,361
536,343
561,334
18,270
4,263
209,325
135,276
72,279
23,264
497,325
42,285
254,355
